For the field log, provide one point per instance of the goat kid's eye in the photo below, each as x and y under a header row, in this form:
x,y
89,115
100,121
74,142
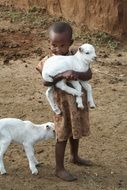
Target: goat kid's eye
x,y
87,53
47,127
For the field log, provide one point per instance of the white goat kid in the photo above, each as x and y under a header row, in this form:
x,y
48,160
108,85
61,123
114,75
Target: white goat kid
x,y
25,133
79,62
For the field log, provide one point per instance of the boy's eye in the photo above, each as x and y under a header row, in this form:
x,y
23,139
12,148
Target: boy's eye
x,y
62,45
54,45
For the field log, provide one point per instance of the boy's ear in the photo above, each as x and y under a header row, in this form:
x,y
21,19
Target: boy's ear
x,y
71,42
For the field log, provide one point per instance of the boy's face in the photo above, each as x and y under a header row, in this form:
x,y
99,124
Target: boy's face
x,y
59,43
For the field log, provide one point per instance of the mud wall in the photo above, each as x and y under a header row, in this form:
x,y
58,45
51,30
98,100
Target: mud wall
x,y
105,15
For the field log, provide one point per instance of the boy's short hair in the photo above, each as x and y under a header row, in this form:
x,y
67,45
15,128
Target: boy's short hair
x,y
60,27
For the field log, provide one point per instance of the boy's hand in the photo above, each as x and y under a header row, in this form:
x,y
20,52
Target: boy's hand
x,y
85,76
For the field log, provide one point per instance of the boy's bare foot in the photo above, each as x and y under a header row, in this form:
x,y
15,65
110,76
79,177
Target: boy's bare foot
x,y
64,175
80,161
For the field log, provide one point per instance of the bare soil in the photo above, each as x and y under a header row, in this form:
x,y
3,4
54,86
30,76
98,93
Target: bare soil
x,y
22,95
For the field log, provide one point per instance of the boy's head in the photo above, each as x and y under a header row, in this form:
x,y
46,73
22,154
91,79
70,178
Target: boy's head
x,y
60,36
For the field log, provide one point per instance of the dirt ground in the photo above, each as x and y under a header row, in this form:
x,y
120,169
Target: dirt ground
x,y
22,95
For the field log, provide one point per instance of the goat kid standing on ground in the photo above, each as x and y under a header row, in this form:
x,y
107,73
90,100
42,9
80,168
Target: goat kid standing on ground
x,y
25,133
79,62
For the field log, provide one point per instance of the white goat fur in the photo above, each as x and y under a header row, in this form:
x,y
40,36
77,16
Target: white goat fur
x,y
25,133
79,62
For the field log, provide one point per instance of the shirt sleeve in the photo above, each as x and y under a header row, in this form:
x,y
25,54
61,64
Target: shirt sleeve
x,y
43,60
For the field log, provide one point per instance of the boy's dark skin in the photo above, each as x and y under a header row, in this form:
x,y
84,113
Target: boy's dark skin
x,y
59,45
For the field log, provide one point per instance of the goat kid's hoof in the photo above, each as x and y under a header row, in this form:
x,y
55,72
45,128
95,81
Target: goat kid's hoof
x,y
3,173
81,107
37,164
92,106
57,111
35,172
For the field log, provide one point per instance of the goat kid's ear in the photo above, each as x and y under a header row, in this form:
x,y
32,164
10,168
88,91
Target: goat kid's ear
x,y
47,127
80,49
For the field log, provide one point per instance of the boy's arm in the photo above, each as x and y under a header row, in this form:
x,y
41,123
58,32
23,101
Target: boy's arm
x,y
73,75
70,75
39,68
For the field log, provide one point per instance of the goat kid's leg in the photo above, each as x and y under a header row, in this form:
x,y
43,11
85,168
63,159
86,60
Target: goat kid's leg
x,y
63,86
51,100
31,158
3,147
78,87
88,89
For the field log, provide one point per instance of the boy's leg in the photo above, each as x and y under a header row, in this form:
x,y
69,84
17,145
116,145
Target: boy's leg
x,y
74,158
60,170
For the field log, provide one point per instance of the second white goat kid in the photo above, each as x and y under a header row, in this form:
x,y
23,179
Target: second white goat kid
x,y
80,62
25,133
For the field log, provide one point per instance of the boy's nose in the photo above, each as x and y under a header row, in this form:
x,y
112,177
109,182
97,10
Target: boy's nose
x,y
58,49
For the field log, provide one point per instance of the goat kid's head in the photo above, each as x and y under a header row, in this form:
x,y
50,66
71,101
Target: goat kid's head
x,y
87,52
49,130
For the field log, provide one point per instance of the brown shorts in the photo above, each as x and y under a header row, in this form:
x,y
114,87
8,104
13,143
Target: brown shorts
x,y
73,121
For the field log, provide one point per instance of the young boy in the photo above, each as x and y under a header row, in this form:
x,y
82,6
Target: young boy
x,y
73,123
